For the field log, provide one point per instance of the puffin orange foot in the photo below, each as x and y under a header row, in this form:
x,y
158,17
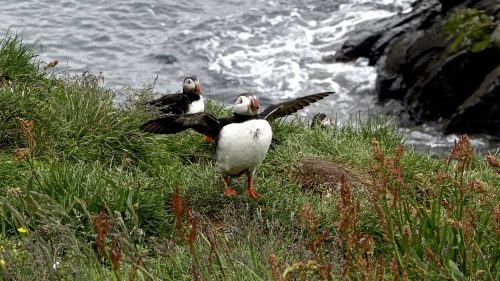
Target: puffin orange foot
x,y
228,191
208,139
252,193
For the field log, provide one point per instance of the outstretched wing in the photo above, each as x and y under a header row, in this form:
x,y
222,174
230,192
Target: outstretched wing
x,y
203,123
169,103
291,106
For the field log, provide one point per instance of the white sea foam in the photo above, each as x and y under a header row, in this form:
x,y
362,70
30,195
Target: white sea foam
x,y
280,54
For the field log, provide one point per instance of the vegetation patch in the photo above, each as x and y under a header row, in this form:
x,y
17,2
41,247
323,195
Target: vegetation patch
x,y
84,195
470,29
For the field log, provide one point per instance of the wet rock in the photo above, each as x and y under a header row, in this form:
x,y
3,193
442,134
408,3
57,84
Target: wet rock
x,y
360,43
166,59
445,65
442,86
436,70
373,37
434,62
448,4
421,17
390,83
480,113
328,58
392,107
407,60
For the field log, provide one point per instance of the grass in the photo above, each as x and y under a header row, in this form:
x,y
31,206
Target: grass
x,y
86,196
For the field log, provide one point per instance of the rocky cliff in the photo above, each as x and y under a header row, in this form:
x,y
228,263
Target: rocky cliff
x,y
441,62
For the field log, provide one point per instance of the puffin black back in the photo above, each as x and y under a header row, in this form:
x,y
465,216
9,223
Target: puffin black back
x,y
180,103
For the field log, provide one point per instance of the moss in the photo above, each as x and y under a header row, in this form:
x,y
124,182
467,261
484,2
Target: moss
x,y
470,29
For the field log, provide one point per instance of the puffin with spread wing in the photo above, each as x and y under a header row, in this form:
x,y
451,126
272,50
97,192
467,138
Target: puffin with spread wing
x,y
242,140
189,101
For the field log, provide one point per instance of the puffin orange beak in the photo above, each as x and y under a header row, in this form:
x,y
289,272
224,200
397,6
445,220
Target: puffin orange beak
x,y
197,88
255,106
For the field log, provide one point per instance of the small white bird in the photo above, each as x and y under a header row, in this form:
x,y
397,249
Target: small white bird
x,y
242,140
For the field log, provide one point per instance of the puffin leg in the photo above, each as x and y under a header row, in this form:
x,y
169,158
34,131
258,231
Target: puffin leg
x,y
208,139
228,191
250,190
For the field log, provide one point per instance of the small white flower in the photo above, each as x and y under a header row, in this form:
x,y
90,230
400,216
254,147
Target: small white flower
x,y
55,265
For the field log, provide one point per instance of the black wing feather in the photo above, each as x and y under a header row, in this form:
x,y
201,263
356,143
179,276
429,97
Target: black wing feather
x,y
169,103
203,123
291,106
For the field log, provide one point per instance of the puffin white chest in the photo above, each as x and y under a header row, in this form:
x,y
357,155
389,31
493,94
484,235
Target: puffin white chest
x,y
243,146
196,106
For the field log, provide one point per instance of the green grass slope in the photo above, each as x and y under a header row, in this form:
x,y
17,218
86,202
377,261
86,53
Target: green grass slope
x,y
84,195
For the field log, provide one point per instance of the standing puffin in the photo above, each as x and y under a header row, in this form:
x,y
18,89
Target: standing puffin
x,y
189,101
242,140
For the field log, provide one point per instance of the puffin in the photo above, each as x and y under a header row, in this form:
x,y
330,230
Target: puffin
x,y
189,101
322,121
242,141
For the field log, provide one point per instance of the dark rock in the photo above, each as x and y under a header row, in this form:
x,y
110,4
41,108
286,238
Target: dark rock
x,y
166,59
407,59
434,61
427,48
392,107
359,44
421,17
328,58
372,37
390,84
448,4
480,113
421,70
443,85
